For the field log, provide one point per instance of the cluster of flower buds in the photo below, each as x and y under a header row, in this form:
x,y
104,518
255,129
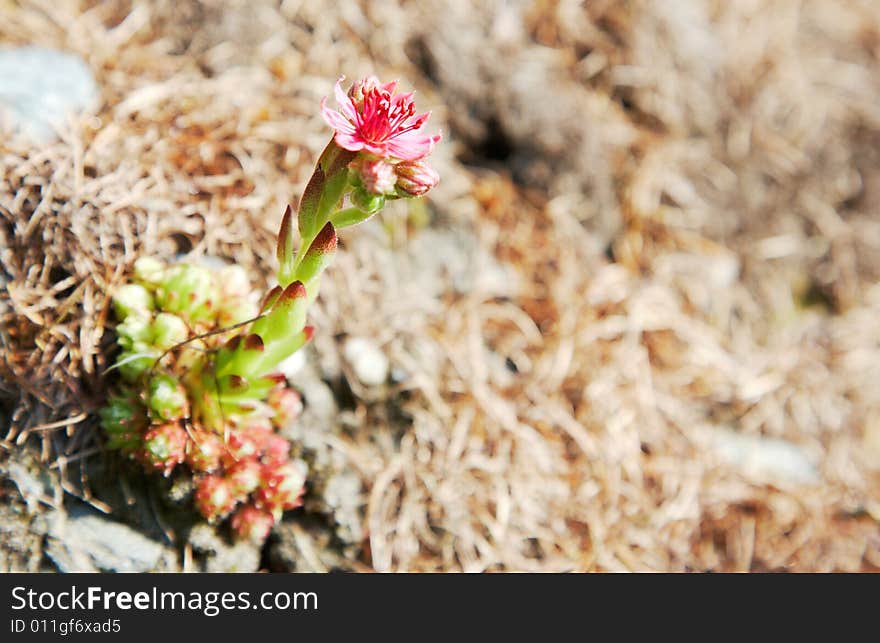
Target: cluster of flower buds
x,y
199,353
167,305
252,476
376,180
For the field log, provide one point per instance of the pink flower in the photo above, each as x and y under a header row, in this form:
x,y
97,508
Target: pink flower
x,y
380,122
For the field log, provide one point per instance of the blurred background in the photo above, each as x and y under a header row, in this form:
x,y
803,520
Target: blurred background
x,y
633,328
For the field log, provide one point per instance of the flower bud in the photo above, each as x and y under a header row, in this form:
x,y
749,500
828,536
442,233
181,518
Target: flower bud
x,y
415,178
136,360
128,444
204,452
376,175
252,524
168,330
123,419
247,442
235,303
244,477
135,329
132,299
277,451
234,281
214,498
148,270
287,405
122,413
167,397
164,447
189,291
281,487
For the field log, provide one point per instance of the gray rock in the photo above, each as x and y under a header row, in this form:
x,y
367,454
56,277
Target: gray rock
x,y
335,490
41,87
83,541
35,486
320,404
221,556
343,497
437,258
20,542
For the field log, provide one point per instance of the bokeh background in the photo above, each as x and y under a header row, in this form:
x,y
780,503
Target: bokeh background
x,y
634,328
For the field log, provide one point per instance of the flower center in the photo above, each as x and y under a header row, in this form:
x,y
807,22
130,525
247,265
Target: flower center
x,y
381,117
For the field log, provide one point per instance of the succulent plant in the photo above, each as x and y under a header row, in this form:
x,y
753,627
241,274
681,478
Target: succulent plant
x,y
199,354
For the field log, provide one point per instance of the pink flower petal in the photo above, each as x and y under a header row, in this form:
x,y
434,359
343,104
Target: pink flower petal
x,y
370,82
411,146
349,141
336,120
379,149
346,106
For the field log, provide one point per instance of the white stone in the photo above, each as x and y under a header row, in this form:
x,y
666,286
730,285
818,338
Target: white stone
x,y
761,458
369,363
291,366
41,87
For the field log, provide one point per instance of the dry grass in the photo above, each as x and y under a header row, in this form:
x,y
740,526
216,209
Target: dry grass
x,y
566,420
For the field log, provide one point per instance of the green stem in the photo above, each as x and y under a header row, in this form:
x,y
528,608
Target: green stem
x,y
324,192
238,373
